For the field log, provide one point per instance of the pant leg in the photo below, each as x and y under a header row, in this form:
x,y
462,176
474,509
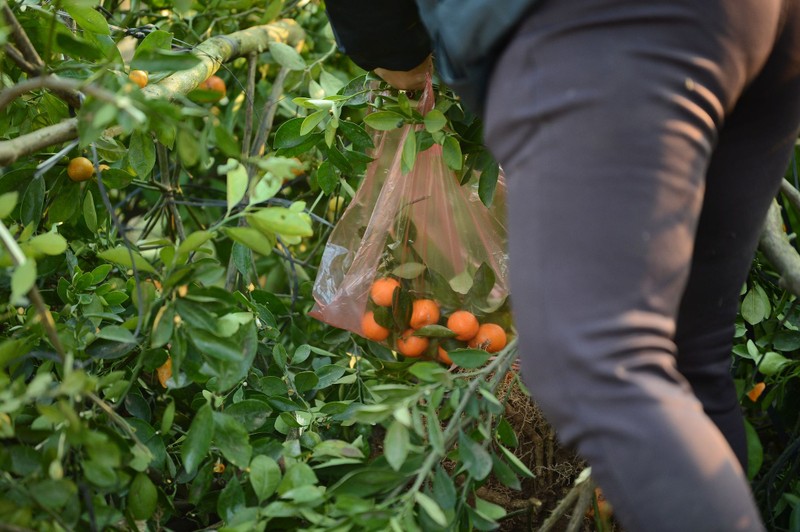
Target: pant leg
x,y
743,177
605,116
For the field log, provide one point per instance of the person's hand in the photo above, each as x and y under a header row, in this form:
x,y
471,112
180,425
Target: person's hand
x,y
413,79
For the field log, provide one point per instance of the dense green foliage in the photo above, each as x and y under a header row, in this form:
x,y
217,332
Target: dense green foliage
x,y
181,383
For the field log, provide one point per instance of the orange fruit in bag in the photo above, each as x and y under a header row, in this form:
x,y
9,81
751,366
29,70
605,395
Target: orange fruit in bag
x,y
410,345
164,372
424,312
382,291
372,330
490,337
464,324
444,357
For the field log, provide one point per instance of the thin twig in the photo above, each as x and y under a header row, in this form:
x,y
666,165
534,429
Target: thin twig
x,y
21,38
268,116
249,102
16,56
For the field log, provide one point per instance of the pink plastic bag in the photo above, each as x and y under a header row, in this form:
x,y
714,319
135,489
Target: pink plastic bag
x,y
434,238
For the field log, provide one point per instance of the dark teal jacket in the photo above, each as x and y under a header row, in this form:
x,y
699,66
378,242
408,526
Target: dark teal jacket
x,y
466,36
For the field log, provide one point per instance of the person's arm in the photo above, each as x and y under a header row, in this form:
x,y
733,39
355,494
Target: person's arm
x,y
386,36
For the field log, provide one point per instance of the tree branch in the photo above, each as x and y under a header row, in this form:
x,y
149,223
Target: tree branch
x,y
22,40
781,253
212,53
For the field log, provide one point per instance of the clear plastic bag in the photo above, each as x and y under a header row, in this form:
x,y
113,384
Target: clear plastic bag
x,y
411,251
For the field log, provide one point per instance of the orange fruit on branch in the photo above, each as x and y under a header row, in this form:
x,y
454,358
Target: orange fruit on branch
x,y
490,337
372,329
410,345
756,391
139,77
164,372
80,169
215,84
424,312
464,324
382,291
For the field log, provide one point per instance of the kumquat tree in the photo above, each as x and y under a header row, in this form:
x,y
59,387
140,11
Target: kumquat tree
x,y
172,178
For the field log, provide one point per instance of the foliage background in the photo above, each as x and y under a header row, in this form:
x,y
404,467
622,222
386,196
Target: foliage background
x,y
199,245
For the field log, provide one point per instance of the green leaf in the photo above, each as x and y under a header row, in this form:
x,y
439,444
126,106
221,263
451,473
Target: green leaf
x,y
198,439
431,508
435,331
396,445
312,121
297,475
78,48
490,511
282,221
435,120
231,500
142,153
327,177
409,155
444,489
164,61
220,348
516,463
384,120
121,256
756,306
265,476
469,358
155,40
488,184
305,381
88,19
286,56
772,363
251,413
116,333
33,202
142,497
409,270
252,238
7,203
48,244
89,212
476,460
188,146
236,183
504,473
191,243
232,439
451,151
22,280
755,451
357,135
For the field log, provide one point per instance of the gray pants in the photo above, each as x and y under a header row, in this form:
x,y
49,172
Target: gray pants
x,y
643,143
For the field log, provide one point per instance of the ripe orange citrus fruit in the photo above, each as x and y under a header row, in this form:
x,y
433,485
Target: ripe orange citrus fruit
x,y
80,169
756,391
424,312
382,291
444,357
490,337
372,330
164,372
410,345
139,77
464,324
215,84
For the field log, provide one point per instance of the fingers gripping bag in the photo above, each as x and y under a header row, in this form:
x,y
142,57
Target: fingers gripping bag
x,y
417,262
